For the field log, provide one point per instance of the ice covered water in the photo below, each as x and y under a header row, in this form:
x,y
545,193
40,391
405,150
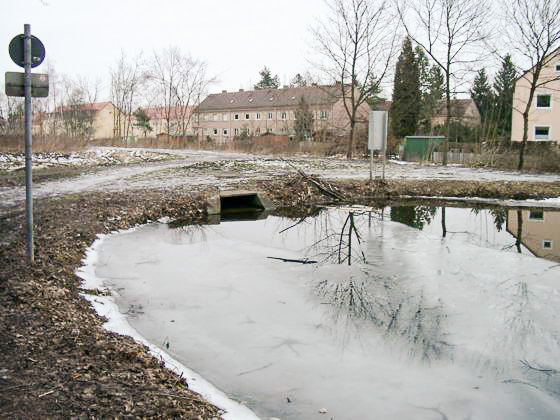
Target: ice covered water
x,y
355,313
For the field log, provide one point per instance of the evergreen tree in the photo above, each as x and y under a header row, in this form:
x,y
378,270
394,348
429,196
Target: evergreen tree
x,y
267,81
298,81
303,124
405,109
143,121
482,95
504,84
432,90
423,70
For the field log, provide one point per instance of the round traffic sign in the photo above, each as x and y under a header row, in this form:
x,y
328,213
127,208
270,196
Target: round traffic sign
x,y
37,50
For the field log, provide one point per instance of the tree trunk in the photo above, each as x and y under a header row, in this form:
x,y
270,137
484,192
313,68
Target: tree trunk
x,y
524,141
447,118
350,141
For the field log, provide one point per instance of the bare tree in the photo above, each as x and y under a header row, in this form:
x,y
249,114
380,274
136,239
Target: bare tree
x,y
126,79
178,82
452,33
78,109
357,40
533,30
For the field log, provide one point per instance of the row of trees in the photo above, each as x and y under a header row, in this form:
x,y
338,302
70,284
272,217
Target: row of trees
x,y
357,42
170,79
495,101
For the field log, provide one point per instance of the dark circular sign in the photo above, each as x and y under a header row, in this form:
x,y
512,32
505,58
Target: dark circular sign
x,y
37,50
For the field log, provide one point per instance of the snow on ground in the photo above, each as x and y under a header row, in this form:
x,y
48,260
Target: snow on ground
x,y
194,168
90,157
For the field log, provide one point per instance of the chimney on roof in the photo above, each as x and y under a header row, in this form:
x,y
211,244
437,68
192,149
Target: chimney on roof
x,y
285,87
224,91
240,90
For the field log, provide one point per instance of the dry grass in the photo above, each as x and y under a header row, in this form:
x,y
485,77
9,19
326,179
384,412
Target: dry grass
x,y
538,157
16,143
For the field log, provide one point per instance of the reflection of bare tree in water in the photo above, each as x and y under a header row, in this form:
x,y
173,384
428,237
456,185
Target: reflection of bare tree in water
x,y
443,225
190,234
361,299
336,244
345,241
519,230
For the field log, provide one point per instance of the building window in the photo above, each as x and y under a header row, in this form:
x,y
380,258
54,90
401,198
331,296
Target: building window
x,y
258,115
270,115
547,244
558,67
236,131
283,115
536,215
225,117
544,101
247,116
542,133
225,132
215,131
236,117
323,115
258,131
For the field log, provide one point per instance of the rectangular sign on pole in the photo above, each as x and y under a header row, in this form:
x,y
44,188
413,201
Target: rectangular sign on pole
x,y
377,133
15,84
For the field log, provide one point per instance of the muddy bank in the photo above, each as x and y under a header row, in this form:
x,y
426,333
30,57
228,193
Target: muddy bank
x,y
55,358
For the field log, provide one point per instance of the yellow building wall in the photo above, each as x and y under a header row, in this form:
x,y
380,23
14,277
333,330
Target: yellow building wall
x,y
537,117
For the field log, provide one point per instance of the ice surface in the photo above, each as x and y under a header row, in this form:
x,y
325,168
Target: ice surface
x,y
418,326
117,322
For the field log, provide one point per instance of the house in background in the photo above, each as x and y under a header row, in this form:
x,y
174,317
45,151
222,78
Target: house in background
x,y
224,116
175,121
463,111
544,116
91,121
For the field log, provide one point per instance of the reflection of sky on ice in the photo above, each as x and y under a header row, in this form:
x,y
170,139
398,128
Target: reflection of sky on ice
x,y
425,327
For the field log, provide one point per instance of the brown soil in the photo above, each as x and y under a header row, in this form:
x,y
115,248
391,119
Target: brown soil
x,y
57,361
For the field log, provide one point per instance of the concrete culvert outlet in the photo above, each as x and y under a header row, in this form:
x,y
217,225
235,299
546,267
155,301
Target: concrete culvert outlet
x,y
238,202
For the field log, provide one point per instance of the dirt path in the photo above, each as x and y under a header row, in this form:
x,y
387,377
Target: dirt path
x,y
201,169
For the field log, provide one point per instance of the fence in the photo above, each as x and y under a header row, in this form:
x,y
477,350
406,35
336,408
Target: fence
x,y
456,157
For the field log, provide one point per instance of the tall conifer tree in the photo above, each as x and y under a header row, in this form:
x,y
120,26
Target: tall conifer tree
x,y
405,109
482,95
504,84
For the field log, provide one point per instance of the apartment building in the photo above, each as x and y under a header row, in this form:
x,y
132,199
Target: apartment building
x,y
224,116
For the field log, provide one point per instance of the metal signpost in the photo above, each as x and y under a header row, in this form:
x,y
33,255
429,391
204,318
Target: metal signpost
x,y
377,137
27,51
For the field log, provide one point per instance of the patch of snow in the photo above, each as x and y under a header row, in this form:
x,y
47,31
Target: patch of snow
x,y
116,322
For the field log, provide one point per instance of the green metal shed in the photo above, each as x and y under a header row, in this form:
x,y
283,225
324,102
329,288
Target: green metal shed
x,y
419,148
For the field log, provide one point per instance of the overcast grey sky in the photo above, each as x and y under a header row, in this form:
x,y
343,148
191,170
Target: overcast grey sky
x,y
235,37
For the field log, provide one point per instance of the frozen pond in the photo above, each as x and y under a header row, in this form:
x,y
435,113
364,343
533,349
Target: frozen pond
x,y
355,315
